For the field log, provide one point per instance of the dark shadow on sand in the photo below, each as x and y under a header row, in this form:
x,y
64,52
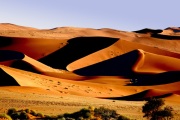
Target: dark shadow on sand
x,y
155,79
138,96
166,37
6,79
5,41
147,30
22,65
75,49
117,66
6,55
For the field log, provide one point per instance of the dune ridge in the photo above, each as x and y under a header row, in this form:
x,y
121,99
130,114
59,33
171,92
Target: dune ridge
x,y
118,48
72,67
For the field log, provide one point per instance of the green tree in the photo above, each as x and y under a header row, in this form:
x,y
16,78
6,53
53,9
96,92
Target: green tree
x,y
152,110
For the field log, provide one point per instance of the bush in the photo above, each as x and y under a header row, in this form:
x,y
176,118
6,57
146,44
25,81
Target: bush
x,y
32,112
105,113
152,109
83,113
11,111
123,118
23,115
27,110
5,116
40,115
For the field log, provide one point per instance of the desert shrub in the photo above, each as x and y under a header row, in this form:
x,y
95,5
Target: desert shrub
x,y
27,110
32,112
23,115
48,117
11,111
152,109
62,118
165,113
121,117
105,113
5,116
83,113
39,115
15,115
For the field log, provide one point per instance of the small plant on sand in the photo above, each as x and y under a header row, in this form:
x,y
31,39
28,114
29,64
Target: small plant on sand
x,y
11,111
89,113
152,110
5,117
108,114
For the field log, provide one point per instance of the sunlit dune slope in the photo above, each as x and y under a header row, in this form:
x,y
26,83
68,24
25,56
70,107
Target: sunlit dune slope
x,y
75,49
172,31
134,61
33,47
30,64
9,26
63,66
117,49
7,29
148,94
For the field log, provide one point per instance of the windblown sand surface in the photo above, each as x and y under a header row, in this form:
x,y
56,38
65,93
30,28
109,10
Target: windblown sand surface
x,y
65,69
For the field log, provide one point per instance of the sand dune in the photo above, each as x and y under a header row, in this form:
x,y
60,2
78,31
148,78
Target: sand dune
x,y
33,47
75,49
135,61
117,49
146,94
72,67
30,64
9,26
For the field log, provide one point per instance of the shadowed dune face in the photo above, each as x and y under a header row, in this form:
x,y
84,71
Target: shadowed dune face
x,y
6,79
155,33
118,48
144,95
75,49
155,79
166,37
33,47
116,65
147,30
6,55
20,64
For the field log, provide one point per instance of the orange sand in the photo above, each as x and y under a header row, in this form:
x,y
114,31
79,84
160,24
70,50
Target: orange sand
x,y
48,89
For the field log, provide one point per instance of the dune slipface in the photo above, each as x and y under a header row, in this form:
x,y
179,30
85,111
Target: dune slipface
x,y
6,55
118,48
75,49
7,80
117,66
68,67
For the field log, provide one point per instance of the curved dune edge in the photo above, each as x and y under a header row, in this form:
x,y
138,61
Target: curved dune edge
x,y
94,87
119,48
36,48
28,90
148,94
38,66
46,70
153,63
136,61
75,49
100,87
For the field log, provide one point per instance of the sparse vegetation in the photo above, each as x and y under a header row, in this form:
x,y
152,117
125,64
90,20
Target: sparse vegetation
x,y
90,113
153,110
5,116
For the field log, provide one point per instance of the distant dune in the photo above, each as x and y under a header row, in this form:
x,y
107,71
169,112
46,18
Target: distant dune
x,y
68,67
